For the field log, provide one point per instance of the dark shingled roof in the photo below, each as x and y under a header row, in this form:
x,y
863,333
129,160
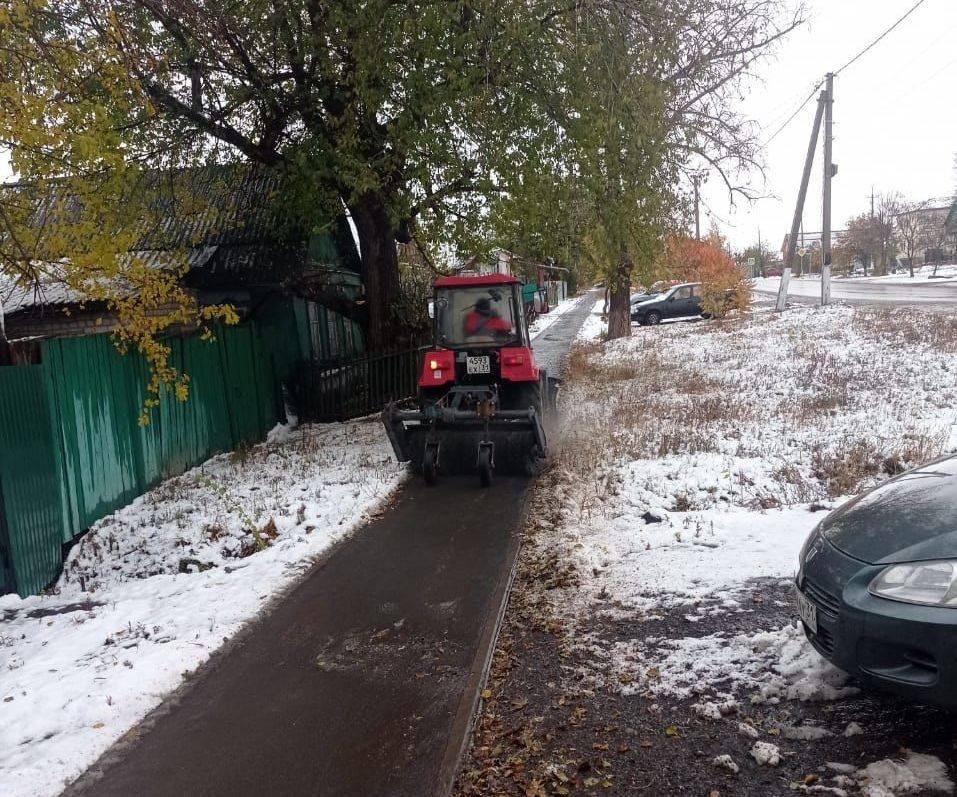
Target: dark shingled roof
x,y
234,225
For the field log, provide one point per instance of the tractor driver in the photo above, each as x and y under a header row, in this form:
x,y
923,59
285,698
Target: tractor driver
x,y
484,321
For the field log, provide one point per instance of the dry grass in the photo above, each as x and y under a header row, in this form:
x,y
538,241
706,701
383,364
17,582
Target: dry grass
x,y
908,326
657,402
647,407
844,471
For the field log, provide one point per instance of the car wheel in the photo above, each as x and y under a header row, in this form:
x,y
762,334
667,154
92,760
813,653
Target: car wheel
x,y
652,318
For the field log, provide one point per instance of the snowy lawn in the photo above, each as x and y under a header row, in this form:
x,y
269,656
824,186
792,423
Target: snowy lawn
x,y
942,273
152,590
696,459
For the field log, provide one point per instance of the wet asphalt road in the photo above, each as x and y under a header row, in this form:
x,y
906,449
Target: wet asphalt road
x,y
362,681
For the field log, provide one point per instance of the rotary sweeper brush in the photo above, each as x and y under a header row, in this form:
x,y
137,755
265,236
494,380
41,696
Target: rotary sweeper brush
x,y
482,398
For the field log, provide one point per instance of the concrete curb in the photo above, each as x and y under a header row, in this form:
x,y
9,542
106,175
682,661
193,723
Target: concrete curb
x,y
460,735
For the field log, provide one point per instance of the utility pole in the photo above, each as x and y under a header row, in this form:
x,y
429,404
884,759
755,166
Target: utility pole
x,y
829,171
802,192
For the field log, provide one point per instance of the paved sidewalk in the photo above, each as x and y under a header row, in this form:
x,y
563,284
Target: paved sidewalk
x,y
363,679
552,345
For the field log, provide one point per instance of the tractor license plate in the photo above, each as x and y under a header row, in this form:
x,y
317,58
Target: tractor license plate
x,y
477,365
807,611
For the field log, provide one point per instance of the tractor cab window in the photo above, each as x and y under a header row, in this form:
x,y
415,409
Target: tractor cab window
x,y
480,315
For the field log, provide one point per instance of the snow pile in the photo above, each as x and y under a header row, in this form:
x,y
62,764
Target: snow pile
x,y
769,666
726,763
853,729
804,733
154,589
766,754
915,774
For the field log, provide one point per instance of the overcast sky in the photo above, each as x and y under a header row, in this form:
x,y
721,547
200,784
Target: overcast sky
x,y
895,115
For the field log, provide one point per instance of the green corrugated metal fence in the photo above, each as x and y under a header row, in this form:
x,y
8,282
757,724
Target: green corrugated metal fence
x,y
30,523
71,447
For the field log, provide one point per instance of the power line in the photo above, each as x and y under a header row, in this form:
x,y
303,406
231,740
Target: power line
x,y
782,110
876,41
793,115
859,55
924,81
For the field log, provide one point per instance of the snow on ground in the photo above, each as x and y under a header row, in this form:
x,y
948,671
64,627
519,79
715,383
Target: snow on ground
x,y
704,446
594,326
699,456
152,590
767,666
897,290
943,273
916,773
543,322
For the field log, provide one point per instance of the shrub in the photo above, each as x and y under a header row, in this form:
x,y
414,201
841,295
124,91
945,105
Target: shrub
x,y
724,286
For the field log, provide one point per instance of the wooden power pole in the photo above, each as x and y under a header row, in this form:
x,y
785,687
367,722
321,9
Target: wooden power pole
x,y
802,191
829,171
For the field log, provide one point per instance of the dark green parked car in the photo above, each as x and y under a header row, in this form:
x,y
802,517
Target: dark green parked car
x,y
681,301
877,585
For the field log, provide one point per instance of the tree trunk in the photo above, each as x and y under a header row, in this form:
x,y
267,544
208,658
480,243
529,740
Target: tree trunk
x,y
380,268
619,312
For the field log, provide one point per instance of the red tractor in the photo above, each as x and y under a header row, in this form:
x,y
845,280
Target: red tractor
x,y
481,396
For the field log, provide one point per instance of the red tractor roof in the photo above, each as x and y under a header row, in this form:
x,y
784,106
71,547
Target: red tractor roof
x,y
463,281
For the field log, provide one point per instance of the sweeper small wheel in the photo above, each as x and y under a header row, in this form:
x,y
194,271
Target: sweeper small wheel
x,y
430,464
485,465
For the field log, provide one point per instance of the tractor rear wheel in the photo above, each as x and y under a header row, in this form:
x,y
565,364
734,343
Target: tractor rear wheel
x,y
526,395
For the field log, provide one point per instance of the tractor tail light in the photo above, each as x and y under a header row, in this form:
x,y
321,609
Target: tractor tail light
x,y
438,368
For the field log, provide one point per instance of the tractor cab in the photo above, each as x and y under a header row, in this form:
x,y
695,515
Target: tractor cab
x,y
481,394
480,336
478,315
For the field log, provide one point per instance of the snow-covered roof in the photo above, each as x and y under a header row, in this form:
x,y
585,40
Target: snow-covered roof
x,y
21,293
